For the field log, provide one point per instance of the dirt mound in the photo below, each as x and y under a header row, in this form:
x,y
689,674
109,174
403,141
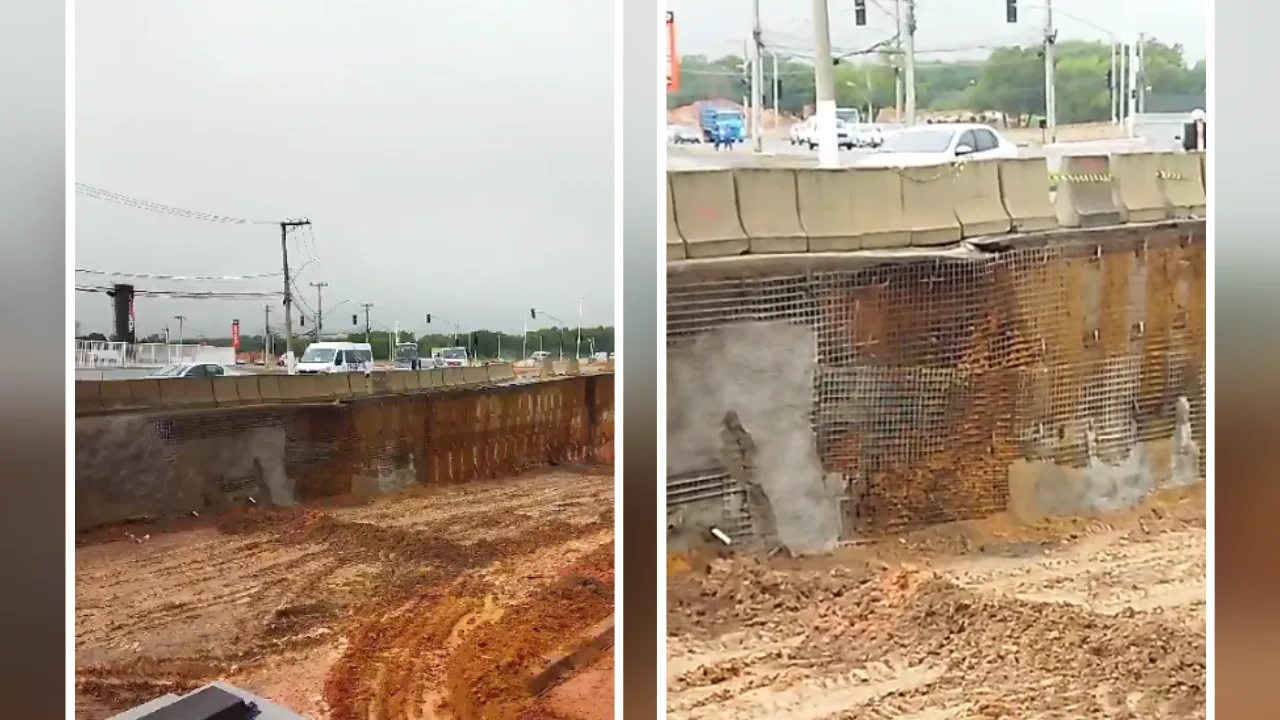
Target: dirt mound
x,y
986,643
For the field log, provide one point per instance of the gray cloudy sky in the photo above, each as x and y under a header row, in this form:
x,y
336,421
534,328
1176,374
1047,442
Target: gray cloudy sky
x,y
719,28
454,156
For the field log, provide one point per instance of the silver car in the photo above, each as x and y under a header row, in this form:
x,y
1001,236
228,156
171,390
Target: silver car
x,y
190,370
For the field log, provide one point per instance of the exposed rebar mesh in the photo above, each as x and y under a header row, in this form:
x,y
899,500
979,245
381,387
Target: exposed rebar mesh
x,y
934,375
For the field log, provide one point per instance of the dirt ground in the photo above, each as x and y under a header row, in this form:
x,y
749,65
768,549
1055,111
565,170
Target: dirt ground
x,y
436,603
1101,618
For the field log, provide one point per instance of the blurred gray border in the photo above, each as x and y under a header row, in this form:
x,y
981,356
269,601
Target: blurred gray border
x,y
33,284
642,25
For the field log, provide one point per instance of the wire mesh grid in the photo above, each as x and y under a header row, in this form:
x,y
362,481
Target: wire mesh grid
x,y
934,376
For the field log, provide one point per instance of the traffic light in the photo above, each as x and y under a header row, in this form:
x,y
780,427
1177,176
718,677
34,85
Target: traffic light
x,y
355,319
859,12
302,319
428,318
1110,78
533,313
1011,11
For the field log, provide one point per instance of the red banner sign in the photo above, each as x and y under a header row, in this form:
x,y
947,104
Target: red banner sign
x,y
673,58
235,335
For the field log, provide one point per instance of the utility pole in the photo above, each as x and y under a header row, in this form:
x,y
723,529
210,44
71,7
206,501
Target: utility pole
x,y
319,286
824,79
266,337
1050,92
181,319
897,61
288,282
1115,84
757,79
911,63
777,91
1141,85
367,307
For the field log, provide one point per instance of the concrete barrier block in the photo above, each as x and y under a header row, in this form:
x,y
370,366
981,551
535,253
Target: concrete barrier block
x,y
1135,180
560,367
547,368
300,388
437,378
929,203
225,392
1024,188
269,388
1084,198
503,372
454,377
410,380
424,379
89,396
706,210
979,207
1182,186
769,210
375,383
572,367
852,209
341,385
398,381
115,395
185,392
247,389
475,375
1204,171
675,242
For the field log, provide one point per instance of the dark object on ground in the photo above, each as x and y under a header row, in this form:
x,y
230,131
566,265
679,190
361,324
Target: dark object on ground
x,y
218,701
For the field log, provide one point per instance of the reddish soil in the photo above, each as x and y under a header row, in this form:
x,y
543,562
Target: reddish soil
x,y
355,610
588,695
1070,618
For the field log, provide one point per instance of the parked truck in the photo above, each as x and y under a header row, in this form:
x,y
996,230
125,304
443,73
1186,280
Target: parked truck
x,y
712,119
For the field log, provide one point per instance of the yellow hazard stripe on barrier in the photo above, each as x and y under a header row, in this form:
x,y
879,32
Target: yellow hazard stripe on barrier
x,y
1172,176
1088,178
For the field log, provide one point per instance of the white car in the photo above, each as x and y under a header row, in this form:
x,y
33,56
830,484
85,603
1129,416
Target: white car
x,y
191,370
808,135
799,132
940,143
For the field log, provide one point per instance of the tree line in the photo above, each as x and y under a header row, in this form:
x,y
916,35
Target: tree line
x,y
1010,81
482,344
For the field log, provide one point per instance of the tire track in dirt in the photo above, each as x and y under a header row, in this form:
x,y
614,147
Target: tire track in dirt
x,y
455,652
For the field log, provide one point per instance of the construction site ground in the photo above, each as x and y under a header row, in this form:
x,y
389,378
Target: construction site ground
x,y
434,603
1070,618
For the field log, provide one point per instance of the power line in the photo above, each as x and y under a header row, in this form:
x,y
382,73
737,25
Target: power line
x,y
140,204
161,276
187,294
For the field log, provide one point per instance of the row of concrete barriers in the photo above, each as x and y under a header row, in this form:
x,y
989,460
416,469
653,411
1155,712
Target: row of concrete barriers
x,y
719,213
94,397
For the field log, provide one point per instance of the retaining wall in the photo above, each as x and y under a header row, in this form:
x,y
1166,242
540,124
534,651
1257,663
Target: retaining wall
x,y
884,391
173,462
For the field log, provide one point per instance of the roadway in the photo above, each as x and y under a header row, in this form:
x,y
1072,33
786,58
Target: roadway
x,y
778,152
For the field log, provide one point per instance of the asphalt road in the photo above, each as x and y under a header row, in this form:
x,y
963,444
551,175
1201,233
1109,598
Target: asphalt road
x,y
779,152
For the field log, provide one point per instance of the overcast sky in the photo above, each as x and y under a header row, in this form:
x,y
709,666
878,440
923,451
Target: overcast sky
x,y
455,157
719,28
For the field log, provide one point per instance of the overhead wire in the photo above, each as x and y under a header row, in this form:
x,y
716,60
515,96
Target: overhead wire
x,y
162,276
187,294
140,204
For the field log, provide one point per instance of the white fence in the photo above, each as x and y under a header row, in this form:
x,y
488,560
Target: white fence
x,y
98,354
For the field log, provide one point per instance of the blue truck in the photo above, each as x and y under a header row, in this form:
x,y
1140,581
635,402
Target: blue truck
x,y
711,119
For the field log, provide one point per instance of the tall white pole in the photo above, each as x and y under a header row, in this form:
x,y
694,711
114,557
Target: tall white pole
x,y
824,79
897,62
577,347
757,80
911,63
1141,85
1050,92
1131,97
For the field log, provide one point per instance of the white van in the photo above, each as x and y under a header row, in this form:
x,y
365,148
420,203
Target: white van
x,y
336,357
